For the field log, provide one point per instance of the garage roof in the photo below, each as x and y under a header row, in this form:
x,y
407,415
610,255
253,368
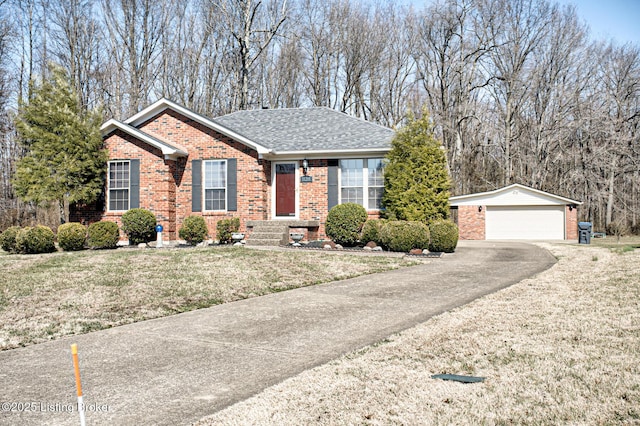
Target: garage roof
x,y
512,195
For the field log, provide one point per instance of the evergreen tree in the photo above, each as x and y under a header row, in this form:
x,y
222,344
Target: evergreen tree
x,y
64,159
416,181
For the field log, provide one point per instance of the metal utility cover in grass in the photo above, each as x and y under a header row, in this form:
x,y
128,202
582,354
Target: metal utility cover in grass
x,y
457,378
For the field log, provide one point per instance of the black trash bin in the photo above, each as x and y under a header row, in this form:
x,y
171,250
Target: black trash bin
x,y
584,232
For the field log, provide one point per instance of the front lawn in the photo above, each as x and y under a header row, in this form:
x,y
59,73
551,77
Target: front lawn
x,y
46,296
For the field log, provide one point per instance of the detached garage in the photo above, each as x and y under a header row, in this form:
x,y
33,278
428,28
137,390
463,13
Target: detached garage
x,y
516,212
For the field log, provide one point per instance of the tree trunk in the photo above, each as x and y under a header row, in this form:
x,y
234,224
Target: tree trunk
x,y
612,176
64,209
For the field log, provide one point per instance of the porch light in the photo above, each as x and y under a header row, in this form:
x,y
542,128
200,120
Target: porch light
x,y
479,209
305,166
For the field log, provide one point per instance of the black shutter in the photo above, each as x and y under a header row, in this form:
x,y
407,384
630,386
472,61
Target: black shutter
x,y
134,184
332,180
232,185
196,185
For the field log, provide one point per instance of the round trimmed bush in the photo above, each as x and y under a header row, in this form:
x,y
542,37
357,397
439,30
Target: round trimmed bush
x,y
8,239
344,223
403,236
72,236
39,239
444,236
103,235
193,230
139,225
371,231
225,228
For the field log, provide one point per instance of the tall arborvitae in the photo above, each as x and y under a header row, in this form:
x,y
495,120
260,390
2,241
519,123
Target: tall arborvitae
x,y
65,161
416,181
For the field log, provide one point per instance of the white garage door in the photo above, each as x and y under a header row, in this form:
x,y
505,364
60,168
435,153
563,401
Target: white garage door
x,y
525,223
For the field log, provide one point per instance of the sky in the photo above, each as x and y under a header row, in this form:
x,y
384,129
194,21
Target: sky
x,y
607,19
610,19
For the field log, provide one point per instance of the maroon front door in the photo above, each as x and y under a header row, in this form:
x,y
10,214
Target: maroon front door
x,y
285,189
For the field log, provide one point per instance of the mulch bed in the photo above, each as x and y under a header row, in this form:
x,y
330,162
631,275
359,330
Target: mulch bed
x,y
319,246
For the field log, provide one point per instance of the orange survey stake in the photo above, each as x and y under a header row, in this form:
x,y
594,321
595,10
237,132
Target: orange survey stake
x,y
76,368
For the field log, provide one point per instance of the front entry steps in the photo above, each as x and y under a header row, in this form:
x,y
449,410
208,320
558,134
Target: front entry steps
x,y
276,232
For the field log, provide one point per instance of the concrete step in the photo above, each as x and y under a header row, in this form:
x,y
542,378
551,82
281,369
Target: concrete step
x,y
274,232
261,235
267,237
271,228
266,242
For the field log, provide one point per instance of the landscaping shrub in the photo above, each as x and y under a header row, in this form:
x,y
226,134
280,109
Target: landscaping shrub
x,y
371,231
139,225
225,228
444,236
194,230
72,236
398,235
344,223
103,235
8,239
39,239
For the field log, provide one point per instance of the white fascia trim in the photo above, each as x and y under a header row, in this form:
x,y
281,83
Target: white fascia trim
x,y
327,154
513,186
159,106
169,152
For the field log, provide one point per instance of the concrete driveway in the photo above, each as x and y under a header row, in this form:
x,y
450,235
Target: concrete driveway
x,y
178,369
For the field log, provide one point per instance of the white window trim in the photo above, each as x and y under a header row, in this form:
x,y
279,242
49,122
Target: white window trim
x,y
204,186
365,182
109,189
365,172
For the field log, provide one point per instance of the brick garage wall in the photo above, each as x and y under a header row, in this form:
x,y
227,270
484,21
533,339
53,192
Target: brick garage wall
x,y
471,223
571,223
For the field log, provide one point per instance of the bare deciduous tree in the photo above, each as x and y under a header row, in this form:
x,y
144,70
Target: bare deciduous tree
x,y
253,25
135,30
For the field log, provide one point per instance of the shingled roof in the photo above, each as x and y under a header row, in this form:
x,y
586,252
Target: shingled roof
x,y
307,129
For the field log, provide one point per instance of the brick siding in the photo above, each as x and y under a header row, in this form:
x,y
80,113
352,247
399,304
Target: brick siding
x,y
571,223
165,185
471,223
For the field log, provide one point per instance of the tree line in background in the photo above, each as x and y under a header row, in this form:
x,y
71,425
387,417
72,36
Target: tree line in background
x,y
517,89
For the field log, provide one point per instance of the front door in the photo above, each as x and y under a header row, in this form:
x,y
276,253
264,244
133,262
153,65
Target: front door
x,y
285,189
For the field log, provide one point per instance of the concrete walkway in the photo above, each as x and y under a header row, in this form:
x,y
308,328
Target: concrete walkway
x,y
178,369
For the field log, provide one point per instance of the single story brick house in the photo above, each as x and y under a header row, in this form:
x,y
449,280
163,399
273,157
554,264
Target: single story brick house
x,y
515,212
282,166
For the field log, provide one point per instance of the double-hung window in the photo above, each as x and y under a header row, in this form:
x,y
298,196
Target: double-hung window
x,y
351,188
375,182
119,185
362,182
215,185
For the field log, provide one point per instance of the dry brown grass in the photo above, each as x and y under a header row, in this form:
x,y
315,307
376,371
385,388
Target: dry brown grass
x,y
560,348
43,297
